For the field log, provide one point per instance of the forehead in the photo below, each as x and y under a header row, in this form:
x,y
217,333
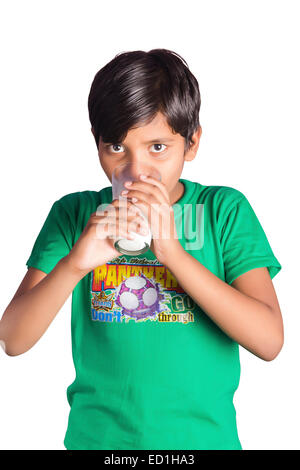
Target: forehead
x,y
157,124
156,130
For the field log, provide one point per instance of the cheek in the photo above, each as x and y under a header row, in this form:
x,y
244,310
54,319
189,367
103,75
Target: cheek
x,y
107,167
171,177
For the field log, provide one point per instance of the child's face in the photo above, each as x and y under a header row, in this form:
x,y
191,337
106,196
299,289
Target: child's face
x,y
166,153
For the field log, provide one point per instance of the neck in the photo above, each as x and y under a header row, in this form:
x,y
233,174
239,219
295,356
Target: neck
x,y
176,193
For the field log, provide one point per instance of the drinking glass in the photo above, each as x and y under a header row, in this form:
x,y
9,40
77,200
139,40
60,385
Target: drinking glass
x,y
131,172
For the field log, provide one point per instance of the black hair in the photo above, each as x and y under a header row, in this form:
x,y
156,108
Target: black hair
x,y
131,88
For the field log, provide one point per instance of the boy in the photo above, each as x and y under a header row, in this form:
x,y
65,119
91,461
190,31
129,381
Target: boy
x,y
166,381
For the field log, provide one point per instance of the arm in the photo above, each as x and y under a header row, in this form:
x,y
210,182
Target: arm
x,y
30,313
248,312
40,296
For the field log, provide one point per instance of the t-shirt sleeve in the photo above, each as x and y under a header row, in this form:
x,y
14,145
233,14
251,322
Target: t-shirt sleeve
x,y
244,243
54,240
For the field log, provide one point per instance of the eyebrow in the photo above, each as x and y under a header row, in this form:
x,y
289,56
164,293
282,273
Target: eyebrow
x,y
165,139
153,141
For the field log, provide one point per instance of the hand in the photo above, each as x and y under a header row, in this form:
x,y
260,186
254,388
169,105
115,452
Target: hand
x,y
94,247
153,199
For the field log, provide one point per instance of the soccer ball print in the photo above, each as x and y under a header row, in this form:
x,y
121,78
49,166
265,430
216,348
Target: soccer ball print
x,y
139,297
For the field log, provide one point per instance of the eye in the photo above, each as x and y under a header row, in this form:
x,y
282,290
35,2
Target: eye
x,y
159,146
113,145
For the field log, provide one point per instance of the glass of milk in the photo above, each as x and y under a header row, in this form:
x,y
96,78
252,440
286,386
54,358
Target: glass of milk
x,y
131,172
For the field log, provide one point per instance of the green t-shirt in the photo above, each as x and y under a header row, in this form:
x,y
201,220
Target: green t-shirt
x,y
152,370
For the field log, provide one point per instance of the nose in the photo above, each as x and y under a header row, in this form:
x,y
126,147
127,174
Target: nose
x,y
137,166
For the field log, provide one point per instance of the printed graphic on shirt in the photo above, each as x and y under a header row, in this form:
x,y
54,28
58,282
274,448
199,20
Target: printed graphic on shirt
x,y
139,290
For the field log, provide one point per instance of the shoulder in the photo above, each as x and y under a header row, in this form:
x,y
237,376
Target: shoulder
x,y
78,206
81,199
221,197
72,199
222,203
72,206
217,199
227,193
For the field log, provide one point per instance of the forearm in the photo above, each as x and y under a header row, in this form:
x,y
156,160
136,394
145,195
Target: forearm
x,y
28,316
246,320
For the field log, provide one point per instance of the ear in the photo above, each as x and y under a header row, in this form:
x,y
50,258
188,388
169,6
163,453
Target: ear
x,y
192,151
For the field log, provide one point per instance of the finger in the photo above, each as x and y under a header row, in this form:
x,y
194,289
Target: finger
x,y
158,184
117,205
123,213
138,188
110,229
120,202
137,221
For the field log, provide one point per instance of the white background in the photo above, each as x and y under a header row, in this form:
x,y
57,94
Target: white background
x,y
245,56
